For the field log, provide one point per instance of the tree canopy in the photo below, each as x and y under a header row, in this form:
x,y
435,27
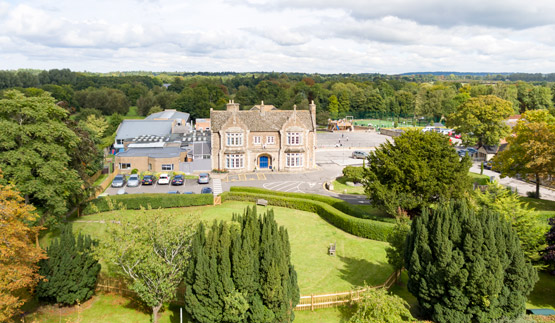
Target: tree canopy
x,y
480,120
415,171
531,150
35,151
19,256
467,266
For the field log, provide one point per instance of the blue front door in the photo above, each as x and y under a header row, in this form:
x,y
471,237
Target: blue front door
x,y
263,161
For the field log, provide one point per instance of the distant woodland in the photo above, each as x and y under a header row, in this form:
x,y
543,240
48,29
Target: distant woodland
x,y
429,95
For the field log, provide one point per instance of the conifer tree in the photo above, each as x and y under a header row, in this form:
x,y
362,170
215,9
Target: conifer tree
x,y
70,271
465,266
548,255
242,273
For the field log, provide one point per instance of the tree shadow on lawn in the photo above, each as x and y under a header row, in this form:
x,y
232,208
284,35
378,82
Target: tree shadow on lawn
x,y
358,271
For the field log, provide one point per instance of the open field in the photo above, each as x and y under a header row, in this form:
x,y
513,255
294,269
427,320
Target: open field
x,y
357,260
384,123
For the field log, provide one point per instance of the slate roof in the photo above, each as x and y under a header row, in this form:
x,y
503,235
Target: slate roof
x,y
170,115
166,152
270,121
130,128
494,149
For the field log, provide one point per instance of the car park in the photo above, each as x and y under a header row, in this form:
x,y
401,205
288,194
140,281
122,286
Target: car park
x,y
164,179
359,154
119,181
148,179
121,191
204,178
174,192
133,180
206,190
178,179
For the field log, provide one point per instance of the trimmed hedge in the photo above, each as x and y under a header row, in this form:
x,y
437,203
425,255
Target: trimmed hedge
x,y
155,201
341,205
364,228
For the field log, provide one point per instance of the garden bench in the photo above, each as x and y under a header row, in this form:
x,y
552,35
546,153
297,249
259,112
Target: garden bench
x,y
331,250
262,202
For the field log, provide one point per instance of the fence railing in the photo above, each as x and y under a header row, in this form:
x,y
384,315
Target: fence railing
x,y
105,183
307,302
312,302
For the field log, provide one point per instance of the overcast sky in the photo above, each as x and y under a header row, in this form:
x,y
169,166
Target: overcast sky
x,y
313,36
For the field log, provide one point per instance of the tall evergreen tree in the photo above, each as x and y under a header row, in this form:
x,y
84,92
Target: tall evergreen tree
x,y
70,271
242,273
465,266
548,255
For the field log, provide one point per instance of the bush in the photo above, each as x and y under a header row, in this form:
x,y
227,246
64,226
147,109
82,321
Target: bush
x,y
135,171
532,194
364,228
354,173
136,201
341,205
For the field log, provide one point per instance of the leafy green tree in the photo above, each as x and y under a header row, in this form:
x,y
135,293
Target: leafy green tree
x,y
152,251
418,170
531,150
507,204
70,271
480,120
397,240
378,306
354,173
467,266
155,109
95,126
242,273
36,149
333,106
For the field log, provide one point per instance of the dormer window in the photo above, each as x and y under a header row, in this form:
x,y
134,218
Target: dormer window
x,y
234,139
294,138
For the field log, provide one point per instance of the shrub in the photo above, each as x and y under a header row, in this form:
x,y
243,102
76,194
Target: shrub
x,y
364,228
378,305
135,171
341,205
533,194
354,173
136,201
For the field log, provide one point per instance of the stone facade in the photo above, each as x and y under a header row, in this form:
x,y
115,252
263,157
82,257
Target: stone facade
x,y
263,138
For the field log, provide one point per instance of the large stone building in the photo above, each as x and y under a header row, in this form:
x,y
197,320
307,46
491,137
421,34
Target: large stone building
x,y
263,138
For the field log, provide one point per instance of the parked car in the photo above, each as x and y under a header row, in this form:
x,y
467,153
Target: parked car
x,y
462,152
149,179
178,180
174,192
456,135
133,180
164,179
204,178
188,193
471,150
359,154
119,181
206,190
487,165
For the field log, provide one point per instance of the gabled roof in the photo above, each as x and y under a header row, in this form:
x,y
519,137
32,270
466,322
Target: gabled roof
x,y
130,128
494,149
169,115
256,121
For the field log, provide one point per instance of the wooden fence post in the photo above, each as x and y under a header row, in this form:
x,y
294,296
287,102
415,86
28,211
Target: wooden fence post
x,y
312,302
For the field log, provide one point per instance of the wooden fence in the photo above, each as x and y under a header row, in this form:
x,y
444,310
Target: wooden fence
x,y
105,183
308,302
312,302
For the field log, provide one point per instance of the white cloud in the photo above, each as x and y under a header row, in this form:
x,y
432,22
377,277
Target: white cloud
x,y
291,35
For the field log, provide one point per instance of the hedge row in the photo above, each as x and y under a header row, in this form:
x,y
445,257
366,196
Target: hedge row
x,y
155,201
364,228
336,203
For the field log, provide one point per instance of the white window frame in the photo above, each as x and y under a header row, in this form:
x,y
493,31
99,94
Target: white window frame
x,y
166,168
270,140
124,165
257,140
294,160
119,141
234,139
234,161
294,138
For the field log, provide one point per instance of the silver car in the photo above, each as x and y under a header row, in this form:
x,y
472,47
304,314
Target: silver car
x,y
359,154
119,181
203,178
133,180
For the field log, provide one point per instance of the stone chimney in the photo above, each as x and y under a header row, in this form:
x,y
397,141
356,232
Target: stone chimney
x,y
232,106
312,108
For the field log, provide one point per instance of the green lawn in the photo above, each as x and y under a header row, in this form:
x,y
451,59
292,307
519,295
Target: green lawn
x,y
340,186
100,179
479,179
545,209
357,260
